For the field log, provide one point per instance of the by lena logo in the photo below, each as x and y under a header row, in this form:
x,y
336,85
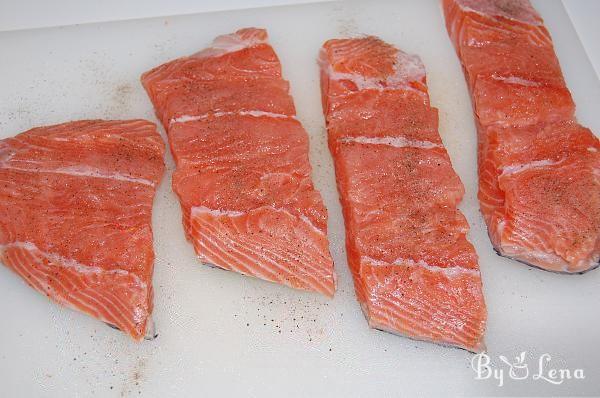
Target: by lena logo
x,y
522,367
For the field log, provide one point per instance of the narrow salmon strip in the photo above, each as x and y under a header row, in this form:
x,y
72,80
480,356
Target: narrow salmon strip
x,y
539,190
243,173
75,216
414,271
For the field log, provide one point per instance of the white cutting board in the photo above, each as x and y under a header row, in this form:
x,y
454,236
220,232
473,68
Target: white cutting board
x,y
225,334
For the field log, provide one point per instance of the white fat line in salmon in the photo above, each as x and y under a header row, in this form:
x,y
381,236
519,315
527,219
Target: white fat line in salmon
x,y
215,212
397,142
517,168
228,44
193,118
61,261
408,68
516,80
266,176
527,20
81,171
449,272
556,260
558,263
234,213
370,83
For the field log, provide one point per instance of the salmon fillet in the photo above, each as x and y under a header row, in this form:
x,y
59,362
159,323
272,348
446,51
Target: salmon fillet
x,y
243,175
414,270
539,189
75,216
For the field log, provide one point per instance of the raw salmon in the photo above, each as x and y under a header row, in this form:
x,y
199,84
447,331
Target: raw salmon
x,y
414,270
243,173
539,189
75,216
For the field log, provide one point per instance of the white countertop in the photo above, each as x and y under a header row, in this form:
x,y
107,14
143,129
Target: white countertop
x,y
28,14
224,334
584,14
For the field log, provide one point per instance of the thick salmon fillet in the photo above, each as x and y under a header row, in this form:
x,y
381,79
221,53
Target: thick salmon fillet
x,y
75,215
243,175
539,189
414,270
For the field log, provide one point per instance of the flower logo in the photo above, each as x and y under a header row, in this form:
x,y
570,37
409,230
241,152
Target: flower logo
x,y
518,369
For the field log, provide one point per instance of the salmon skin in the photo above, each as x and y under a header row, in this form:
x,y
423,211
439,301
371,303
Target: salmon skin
x,y
243,173
414,271
75,216
539,190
